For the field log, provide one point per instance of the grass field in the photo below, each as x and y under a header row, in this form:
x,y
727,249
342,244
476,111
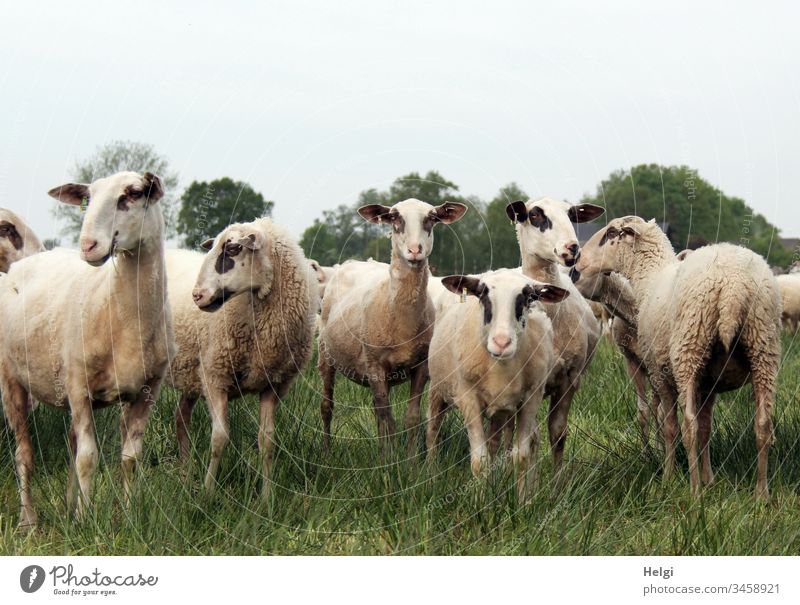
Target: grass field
x,y
353,502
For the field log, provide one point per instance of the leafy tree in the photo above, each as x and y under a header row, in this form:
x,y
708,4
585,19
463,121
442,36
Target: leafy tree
x,y
110,159
695,211
206,208
503,236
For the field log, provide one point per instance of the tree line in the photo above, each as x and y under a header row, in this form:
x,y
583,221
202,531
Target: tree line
x,y
693,211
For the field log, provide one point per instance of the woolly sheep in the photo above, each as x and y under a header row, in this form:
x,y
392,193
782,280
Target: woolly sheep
x,y
547,242
492,356
244,322
706,325
377,321
789,285
81,334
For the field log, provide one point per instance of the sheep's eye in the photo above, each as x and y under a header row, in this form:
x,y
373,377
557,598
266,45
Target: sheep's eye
x,y
612,232
232,248
122,202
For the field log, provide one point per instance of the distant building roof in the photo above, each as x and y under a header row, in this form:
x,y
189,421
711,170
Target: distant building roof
x,y
791,243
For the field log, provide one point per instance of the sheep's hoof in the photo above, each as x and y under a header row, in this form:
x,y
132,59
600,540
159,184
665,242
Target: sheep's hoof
x,y
27,521
762,493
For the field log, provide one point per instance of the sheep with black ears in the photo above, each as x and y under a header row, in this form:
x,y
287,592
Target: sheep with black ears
x,y
244,323
80,333
707,325
376,321
492,356
547,243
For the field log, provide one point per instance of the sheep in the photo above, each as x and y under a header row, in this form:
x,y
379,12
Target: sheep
x,y
547,241
377,321
614,293
492,356
81,334
17,240
244,323
323,276
789,285
706,325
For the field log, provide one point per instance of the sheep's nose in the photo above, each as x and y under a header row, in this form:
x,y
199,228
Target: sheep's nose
x,y
88,245
574,249
197,295
502,342
418,250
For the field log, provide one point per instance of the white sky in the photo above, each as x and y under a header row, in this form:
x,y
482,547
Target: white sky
x,y
312,102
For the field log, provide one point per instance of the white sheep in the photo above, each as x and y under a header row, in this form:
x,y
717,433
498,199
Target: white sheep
x,y
244,323
492,357
377,321
17,240
547,243
789,285
706,325
80,333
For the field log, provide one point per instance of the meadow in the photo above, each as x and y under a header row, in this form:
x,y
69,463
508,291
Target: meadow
x,y
356,501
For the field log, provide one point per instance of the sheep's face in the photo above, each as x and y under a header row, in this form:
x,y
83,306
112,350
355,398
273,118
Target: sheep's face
x,y
235,263
506,297
120,213
611,249
12,246
545,228
412,224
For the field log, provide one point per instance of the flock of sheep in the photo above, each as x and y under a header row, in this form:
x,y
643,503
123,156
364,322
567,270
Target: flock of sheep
x,y
81,333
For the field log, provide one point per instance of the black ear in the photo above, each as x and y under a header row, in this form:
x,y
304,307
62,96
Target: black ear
x,y
208,244
152,187
583,213
517,212
546,293
376,213
449,212
9,230
71,193
458,283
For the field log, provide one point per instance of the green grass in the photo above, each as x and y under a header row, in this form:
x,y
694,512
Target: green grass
x,y
353,501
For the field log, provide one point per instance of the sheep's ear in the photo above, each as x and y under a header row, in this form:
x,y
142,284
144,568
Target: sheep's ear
x,y
684,253
71,193
458,283
250,241
583,213
377,213
152,187
546,293
517,212
449,212
208,244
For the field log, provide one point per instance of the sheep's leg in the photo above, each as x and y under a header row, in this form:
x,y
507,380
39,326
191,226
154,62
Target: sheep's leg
x,y
705,421
419,376
270,400
183,419
689,431
437,407
669,429
764,389
328,372
72,484
643,408
86,453
15,406
501,426
473,420
218,410
383,410
133,423
560,403
526,447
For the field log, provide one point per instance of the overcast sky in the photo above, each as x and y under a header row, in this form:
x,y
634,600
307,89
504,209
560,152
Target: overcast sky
x,y
312,102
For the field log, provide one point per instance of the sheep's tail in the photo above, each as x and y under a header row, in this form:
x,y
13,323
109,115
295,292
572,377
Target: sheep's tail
x,y
733,306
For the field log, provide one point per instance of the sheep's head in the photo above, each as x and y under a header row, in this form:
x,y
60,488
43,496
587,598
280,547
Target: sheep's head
x,y
545,228
412,224
506,297
321,274
121,213
16,240
236,262
612,248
